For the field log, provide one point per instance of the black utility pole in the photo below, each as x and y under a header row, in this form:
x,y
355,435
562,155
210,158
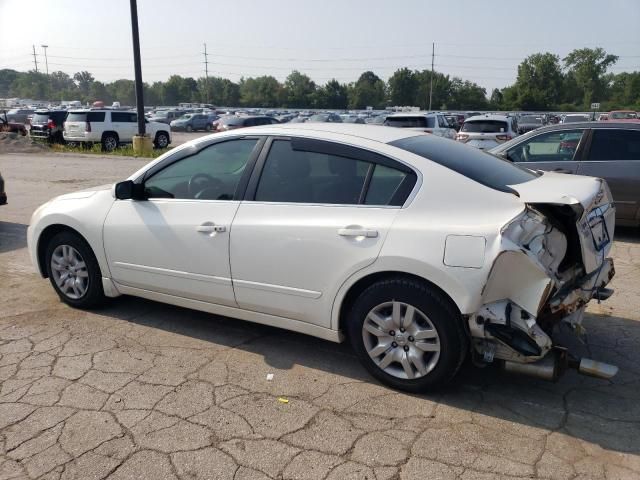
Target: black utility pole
x,y
137,66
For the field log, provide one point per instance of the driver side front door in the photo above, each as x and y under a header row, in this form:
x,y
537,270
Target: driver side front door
x,y
177,241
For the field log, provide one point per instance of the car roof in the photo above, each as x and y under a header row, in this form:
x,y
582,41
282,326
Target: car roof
x,y
412,114
608,124
366,131
502,118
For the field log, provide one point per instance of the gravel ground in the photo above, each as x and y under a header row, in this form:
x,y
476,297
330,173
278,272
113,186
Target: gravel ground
x,y
144,390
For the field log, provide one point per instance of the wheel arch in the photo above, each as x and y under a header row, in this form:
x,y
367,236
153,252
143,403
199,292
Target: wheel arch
x,y
113,132
45,237
351,290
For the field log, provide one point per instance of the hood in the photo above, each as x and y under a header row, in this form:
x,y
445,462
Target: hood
x,y
84,193
561,189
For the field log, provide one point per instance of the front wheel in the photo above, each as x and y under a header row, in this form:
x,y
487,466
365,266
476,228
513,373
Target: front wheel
x,y
74,271
407,334
189,128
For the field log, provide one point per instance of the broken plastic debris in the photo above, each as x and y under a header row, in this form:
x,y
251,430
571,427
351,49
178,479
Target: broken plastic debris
x,y
283,400
269,376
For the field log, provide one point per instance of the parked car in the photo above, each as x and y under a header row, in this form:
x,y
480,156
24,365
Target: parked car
x,y
166,116
111,128
232,122
627,116
353,119
7,125
20,115
291,241
376,120
452,120
325,118
192,121
3,194
526,123
609,150
433,123
487,131
298,119
48,125
575,117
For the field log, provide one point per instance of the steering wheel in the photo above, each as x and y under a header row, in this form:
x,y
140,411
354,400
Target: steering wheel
x,y
203,182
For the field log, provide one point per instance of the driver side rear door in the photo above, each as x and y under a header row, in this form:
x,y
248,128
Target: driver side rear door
x,y
177,241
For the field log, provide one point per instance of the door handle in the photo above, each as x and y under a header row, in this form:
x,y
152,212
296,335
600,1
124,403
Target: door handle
x,y
561,170
357,232
210,227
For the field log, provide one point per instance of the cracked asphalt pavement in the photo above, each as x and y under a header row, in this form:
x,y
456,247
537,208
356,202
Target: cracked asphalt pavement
x,y
142,390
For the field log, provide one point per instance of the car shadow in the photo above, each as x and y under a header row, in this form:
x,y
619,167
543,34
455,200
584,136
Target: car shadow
x,y
13,236
598,411
627,234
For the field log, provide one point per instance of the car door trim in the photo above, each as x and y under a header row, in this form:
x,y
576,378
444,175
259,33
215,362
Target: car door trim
x,y
198,277
298,292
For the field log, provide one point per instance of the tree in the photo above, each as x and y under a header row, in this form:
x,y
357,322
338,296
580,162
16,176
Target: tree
x,y
263,91
99,91
123,91
333,95
7,77
496,99
368,91
31,84
83,80
403,86
589,67
539,82
299,90
466,95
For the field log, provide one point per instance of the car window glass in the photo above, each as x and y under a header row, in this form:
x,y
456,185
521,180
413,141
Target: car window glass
x,y
548,147
610,144
95,116
410,122
211,174
485,126
307,177
384,184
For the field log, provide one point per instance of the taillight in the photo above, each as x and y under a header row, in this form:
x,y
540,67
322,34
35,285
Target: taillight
x,y
51,124
87,126
503,137
462,137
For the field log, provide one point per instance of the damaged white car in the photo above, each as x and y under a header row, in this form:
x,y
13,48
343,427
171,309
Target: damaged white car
x,y
416,249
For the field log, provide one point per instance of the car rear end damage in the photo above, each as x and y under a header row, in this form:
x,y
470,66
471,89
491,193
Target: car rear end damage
x,y
550,261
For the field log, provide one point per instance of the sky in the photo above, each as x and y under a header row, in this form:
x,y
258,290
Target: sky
x,y
478,40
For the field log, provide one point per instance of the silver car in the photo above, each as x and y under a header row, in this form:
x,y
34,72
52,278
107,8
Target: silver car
x,y
487,131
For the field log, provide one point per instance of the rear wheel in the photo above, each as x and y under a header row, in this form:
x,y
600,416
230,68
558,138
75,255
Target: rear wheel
x,y
74,271
109,142
407,334
207,127
162,140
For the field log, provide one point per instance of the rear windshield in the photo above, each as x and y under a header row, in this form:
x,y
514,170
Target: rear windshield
x,y
485,126
77,117
576,118
40,118
484,168
411,122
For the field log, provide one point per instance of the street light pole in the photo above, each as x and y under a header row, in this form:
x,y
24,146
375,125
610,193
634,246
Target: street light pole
x,y
46,61
137,67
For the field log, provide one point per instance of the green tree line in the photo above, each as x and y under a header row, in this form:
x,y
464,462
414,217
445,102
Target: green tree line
x,y
544,82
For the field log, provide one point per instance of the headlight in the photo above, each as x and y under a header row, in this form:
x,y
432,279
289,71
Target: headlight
x,y
533,232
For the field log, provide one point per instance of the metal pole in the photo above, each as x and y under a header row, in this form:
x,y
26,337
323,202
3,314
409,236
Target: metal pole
x,y
46,61
35,60
206,72
433,51
137,67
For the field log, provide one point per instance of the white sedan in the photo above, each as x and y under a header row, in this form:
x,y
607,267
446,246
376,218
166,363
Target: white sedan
x,y
417,249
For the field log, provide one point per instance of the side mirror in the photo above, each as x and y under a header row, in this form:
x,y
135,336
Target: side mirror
x,y
128,190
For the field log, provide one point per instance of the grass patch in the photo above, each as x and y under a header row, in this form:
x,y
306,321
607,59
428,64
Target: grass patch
x,y
123,151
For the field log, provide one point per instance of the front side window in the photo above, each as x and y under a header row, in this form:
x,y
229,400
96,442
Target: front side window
x,y
548,147
211,174
296,176
610,144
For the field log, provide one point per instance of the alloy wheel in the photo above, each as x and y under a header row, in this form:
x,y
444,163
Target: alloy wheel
x,y
69,271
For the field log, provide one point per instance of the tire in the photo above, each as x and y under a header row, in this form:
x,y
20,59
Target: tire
x,y
161,140
189,128
109,142
207,127
85,288
436,325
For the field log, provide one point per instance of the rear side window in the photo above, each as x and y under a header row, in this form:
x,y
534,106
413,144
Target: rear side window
x,y
485,126
95,117
610,144
486,169
411,122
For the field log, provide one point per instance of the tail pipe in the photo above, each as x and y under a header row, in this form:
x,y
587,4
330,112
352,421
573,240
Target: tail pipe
x,y
552,366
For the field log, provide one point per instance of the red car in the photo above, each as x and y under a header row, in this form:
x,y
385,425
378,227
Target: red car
x,y
7,126
626,116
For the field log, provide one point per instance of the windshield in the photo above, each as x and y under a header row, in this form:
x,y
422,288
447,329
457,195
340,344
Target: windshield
x,y
77,117
411,122
485,126
161,114
484,168
530,119
623,115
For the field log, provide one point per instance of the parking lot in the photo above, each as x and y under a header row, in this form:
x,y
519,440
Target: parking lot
x,y
144,390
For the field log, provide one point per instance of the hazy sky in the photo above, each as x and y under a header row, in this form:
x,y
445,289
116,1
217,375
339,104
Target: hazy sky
x,y
479,40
